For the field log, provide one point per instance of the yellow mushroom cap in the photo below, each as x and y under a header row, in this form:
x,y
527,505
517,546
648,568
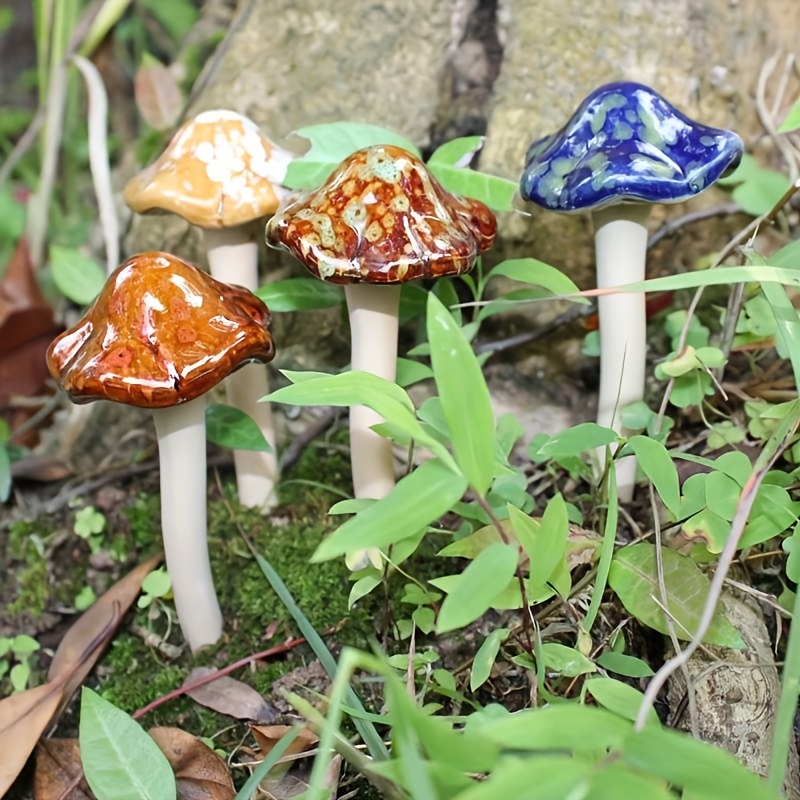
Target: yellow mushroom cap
x,y
218,171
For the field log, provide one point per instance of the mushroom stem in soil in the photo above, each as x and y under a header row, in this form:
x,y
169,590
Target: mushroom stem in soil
x,y
181,432
233,259
373,314
621,247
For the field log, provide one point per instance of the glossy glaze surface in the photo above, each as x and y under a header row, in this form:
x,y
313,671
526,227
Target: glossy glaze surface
x,y
626,143
381,217
161,332
218,171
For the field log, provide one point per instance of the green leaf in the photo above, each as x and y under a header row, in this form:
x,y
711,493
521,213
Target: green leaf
x,y
788,256
415,502
657,464
544,541
363,586
464,397
23,645
792,119
120,761
457,152
496,193
331,143
227,426
629,666
633,577
77,276
5,474
157,583
300,294
761,191
484,659
567,726
478,585
529,270
618,698
410,371
576,440
19,675
690,764
566,661
176,17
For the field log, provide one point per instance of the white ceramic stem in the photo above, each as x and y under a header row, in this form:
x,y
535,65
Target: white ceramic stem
x,y
181,432
233,258
373,314
621,248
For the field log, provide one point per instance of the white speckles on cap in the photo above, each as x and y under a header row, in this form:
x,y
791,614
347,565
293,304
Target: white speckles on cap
x,y
204,152
219,115
383,166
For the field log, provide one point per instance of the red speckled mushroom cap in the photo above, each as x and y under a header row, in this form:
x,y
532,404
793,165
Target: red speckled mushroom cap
x,y
161,332
381,217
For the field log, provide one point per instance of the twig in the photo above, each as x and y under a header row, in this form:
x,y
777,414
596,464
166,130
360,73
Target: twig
x,y
765,117
299,443
672,226
743,508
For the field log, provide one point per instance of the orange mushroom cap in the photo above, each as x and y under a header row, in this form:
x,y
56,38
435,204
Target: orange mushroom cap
x,y
218,171
381,217
160,333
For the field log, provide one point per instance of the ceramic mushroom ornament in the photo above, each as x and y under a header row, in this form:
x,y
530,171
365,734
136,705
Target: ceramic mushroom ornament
x,y
159,336
221,174
379,220
623,150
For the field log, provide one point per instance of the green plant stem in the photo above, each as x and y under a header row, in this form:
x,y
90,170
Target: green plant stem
x,y
606,552
783,731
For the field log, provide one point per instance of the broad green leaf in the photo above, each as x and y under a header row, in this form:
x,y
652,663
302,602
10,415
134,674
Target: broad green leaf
x,y
464,397
544,541
529,270
629,666
484,579
547,777
5,474
457,152
722,494
19,675
470,546
484,659
761,191
331,143
690,764
792,120
120,761
788,326
300,294
566,661
577,439
176,17
575,728
787,257
227,426
410,372
77,276
657,464
416,501
363,586
633,577
496,193
616,781
618,698
351,506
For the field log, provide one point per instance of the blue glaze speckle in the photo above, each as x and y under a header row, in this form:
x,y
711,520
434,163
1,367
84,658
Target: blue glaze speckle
x,y
626,143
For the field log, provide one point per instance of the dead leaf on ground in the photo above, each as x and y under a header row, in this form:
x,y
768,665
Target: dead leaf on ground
x,y
199,772
228,696
23,719
157,94
40,468
84,642
58,763
268,736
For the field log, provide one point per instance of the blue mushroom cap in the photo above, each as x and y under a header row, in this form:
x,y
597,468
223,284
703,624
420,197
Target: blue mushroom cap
x,y
626,144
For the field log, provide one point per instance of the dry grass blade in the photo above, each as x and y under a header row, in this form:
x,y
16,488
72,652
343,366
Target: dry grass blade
x,y
23,719
84,641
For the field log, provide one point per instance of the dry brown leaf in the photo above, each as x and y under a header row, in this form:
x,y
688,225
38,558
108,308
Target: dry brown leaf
x,y
40,468
23,719
86,639
267,736
228,696
58,763
200,773
157,94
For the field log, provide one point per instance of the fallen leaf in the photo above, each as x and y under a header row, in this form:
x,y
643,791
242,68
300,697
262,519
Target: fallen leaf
x,y
40,468
200,773
23,719
229,696
267,736
157,94
87,638
58,763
